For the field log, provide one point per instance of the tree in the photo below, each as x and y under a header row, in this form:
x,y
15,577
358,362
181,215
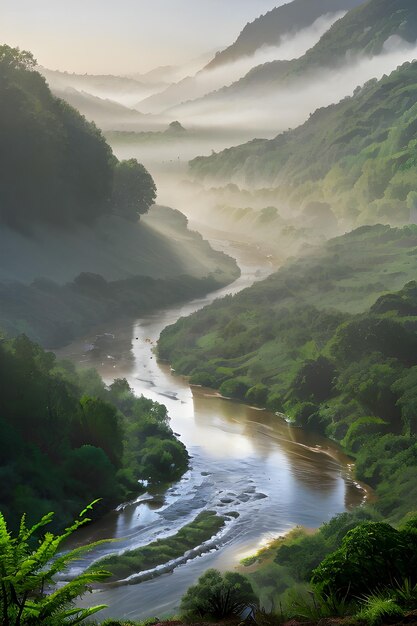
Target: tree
x,y
28,592
14,58
134,190
219,596
373,555
314,380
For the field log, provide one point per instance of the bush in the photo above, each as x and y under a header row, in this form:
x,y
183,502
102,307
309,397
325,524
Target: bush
x,y
218,596
257,394
234,388
373,555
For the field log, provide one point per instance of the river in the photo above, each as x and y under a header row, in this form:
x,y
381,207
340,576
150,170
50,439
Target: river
x,y
243,459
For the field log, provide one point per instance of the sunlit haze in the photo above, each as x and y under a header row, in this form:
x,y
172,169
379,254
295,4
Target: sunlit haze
x,y
137,35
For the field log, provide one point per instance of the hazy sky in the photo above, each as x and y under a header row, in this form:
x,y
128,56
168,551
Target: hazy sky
x,y
123,35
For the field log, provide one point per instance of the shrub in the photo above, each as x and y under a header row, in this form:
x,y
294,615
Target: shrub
x,y
378,609
218,596
373,555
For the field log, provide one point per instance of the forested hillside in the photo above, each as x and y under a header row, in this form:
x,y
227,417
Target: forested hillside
x,y
68,170
363,32
358,156
73,252
318,342
283,21
67,439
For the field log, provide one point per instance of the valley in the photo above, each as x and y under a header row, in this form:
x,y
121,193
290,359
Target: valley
x,y
208,314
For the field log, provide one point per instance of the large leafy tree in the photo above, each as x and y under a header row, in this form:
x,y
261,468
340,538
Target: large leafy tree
x,y
134,190
29,568
372,556
55,166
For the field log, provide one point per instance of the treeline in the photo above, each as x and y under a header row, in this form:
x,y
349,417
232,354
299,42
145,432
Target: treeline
x,y
358,157
55,167
54,315
67,438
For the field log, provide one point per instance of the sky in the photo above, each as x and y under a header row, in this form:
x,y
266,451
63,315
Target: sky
x,y
124,36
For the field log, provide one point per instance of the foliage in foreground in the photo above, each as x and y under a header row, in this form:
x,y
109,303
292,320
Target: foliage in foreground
x,y
219,596
29,570
373,556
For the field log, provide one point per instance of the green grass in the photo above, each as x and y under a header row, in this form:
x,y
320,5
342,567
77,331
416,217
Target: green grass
x,y
201,529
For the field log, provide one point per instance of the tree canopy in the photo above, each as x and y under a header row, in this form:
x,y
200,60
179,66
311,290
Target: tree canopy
x,y
55,167
67,438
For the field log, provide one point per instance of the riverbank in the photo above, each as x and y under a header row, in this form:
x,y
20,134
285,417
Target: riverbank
x,y
163,555
242,460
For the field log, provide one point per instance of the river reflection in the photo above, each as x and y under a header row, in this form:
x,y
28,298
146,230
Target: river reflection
x,y
243,460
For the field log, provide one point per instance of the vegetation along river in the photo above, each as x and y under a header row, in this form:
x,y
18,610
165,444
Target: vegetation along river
x,y
243,460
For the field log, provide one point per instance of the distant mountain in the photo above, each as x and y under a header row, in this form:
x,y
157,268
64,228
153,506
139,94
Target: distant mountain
x,y
358,156
297,26
122,89
107,114
367,30
271,28
163,74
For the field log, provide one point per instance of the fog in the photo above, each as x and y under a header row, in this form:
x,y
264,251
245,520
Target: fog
x,y
266,110
215,124
205,81
123,90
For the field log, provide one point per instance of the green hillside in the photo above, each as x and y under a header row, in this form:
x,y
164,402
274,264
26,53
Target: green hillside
x,y
55,167
359,155
73,251
311,342
330,341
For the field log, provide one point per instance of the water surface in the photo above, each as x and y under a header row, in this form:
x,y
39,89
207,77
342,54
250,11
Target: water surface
x,y
243,460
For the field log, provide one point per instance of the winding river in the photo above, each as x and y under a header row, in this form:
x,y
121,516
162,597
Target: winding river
x,y
244,460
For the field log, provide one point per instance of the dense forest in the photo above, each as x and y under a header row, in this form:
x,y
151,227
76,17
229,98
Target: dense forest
x,y
69,170
73,253
68,439
319,342
357,157
329,341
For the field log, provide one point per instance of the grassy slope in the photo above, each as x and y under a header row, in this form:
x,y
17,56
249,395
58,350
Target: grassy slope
x,y
358,155
159,246
326,340
254,335
86,277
